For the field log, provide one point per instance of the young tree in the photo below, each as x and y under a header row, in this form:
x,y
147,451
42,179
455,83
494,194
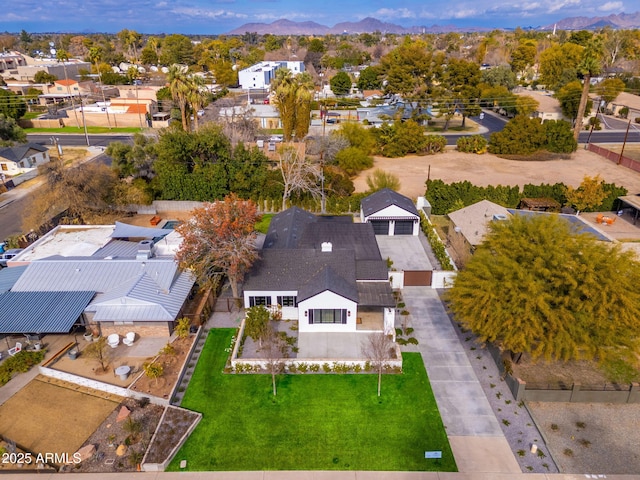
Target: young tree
x,y
379,350
274,349
298,173
588,195
256,323
219,238
100,351
153,370
537,286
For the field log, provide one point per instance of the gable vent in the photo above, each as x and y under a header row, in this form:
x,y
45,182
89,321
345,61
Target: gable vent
x,y
326,247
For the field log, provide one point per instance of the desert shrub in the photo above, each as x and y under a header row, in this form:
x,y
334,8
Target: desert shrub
x,y
353,160
182,327
168,349
472,144
434,144
314,367
520,136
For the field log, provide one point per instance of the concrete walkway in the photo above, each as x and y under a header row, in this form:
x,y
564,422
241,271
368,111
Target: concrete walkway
x,y
475,436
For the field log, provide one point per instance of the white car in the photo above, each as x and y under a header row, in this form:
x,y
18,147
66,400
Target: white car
x,y
8,255
275,138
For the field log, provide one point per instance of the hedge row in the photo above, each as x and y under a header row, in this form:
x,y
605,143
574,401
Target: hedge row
x,y
436,244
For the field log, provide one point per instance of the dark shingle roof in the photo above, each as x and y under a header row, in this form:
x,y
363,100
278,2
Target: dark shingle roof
x,y
385,198
286,228
286,269
328,279
358,237
19,152
375,294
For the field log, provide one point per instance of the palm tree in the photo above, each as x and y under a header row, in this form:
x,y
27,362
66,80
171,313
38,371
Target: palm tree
x,y
180,87
590,65
196,97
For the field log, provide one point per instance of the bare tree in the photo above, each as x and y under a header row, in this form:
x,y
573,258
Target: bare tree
x,y
379,350
274,350
100,351
299,174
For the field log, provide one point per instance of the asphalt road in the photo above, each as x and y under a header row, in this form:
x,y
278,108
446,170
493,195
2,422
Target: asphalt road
x,y
11,212
79,140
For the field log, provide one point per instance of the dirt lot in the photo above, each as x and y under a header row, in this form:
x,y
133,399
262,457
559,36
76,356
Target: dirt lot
x,y
59,425
487,169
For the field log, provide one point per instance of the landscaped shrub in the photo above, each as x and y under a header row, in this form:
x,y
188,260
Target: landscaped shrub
x,y
436,244
472,144
21,362
559,137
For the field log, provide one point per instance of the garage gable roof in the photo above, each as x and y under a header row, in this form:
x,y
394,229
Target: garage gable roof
x,y
385,198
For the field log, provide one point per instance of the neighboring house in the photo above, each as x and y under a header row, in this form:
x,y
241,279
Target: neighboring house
x,y
390,213
468,227
265,116
22,158
26,68
118,278
260,75
629,100
325,272
548,107
64,89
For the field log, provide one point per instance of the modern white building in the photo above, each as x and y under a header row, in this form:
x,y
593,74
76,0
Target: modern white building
x,y
260,75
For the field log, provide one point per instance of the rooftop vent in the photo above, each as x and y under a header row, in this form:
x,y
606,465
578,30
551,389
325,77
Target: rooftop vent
x,y
326,247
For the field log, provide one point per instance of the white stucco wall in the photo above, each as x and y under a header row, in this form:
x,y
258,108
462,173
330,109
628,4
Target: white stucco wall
x,y
288,313
327,300
393,211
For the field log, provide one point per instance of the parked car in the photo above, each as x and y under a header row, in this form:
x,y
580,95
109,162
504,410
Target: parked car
x,y
275,138
8,255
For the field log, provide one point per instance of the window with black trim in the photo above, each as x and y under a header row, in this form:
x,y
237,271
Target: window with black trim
x,y
322,315
288,301
257,301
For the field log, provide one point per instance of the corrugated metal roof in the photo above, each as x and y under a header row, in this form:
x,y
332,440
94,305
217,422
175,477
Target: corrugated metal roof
x,y
62,274
41,312
9,276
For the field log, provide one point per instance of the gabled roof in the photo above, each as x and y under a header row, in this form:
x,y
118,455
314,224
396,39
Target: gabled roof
x,y
72,274
41,312
286,228
22,151
283,269
328,279
384,198
358,237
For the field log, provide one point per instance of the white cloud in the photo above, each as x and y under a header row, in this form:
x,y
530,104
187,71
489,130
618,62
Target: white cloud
x,y
611,6
211,14
464,13
555,6
393,13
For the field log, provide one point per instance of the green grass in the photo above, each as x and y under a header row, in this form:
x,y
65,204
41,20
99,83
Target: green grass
x,y
316,422
91,130
620,371
263,225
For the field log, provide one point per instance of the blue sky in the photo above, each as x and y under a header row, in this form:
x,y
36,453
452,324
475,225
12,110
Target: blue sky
x,y
220,16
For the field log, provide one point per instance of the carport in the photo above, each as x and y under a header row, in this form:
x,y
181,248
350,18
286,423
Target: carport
x,y
632,202
41,312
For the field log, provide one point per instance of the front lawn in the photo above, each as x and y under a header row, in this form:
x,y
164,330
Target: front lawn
x,y
317,422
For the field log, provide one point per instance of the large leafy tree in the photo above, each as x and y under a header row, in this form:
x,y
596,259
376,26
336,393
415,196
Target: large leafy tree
x,y
12,105
537,286
559,63
462,78
219,238
340,83
10,131
176,49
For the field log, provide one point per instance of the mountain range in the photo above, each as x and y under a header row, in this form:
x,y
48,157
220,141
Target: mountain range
x,y
369,25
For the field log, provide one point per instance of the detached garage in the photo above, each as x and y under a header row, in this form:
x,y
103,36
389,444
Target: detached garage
x,y
390,213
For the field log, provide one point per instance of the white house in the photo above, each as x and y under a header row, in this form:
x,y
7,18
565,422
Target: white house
x,y
390,213
325,272
22,158
260,75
